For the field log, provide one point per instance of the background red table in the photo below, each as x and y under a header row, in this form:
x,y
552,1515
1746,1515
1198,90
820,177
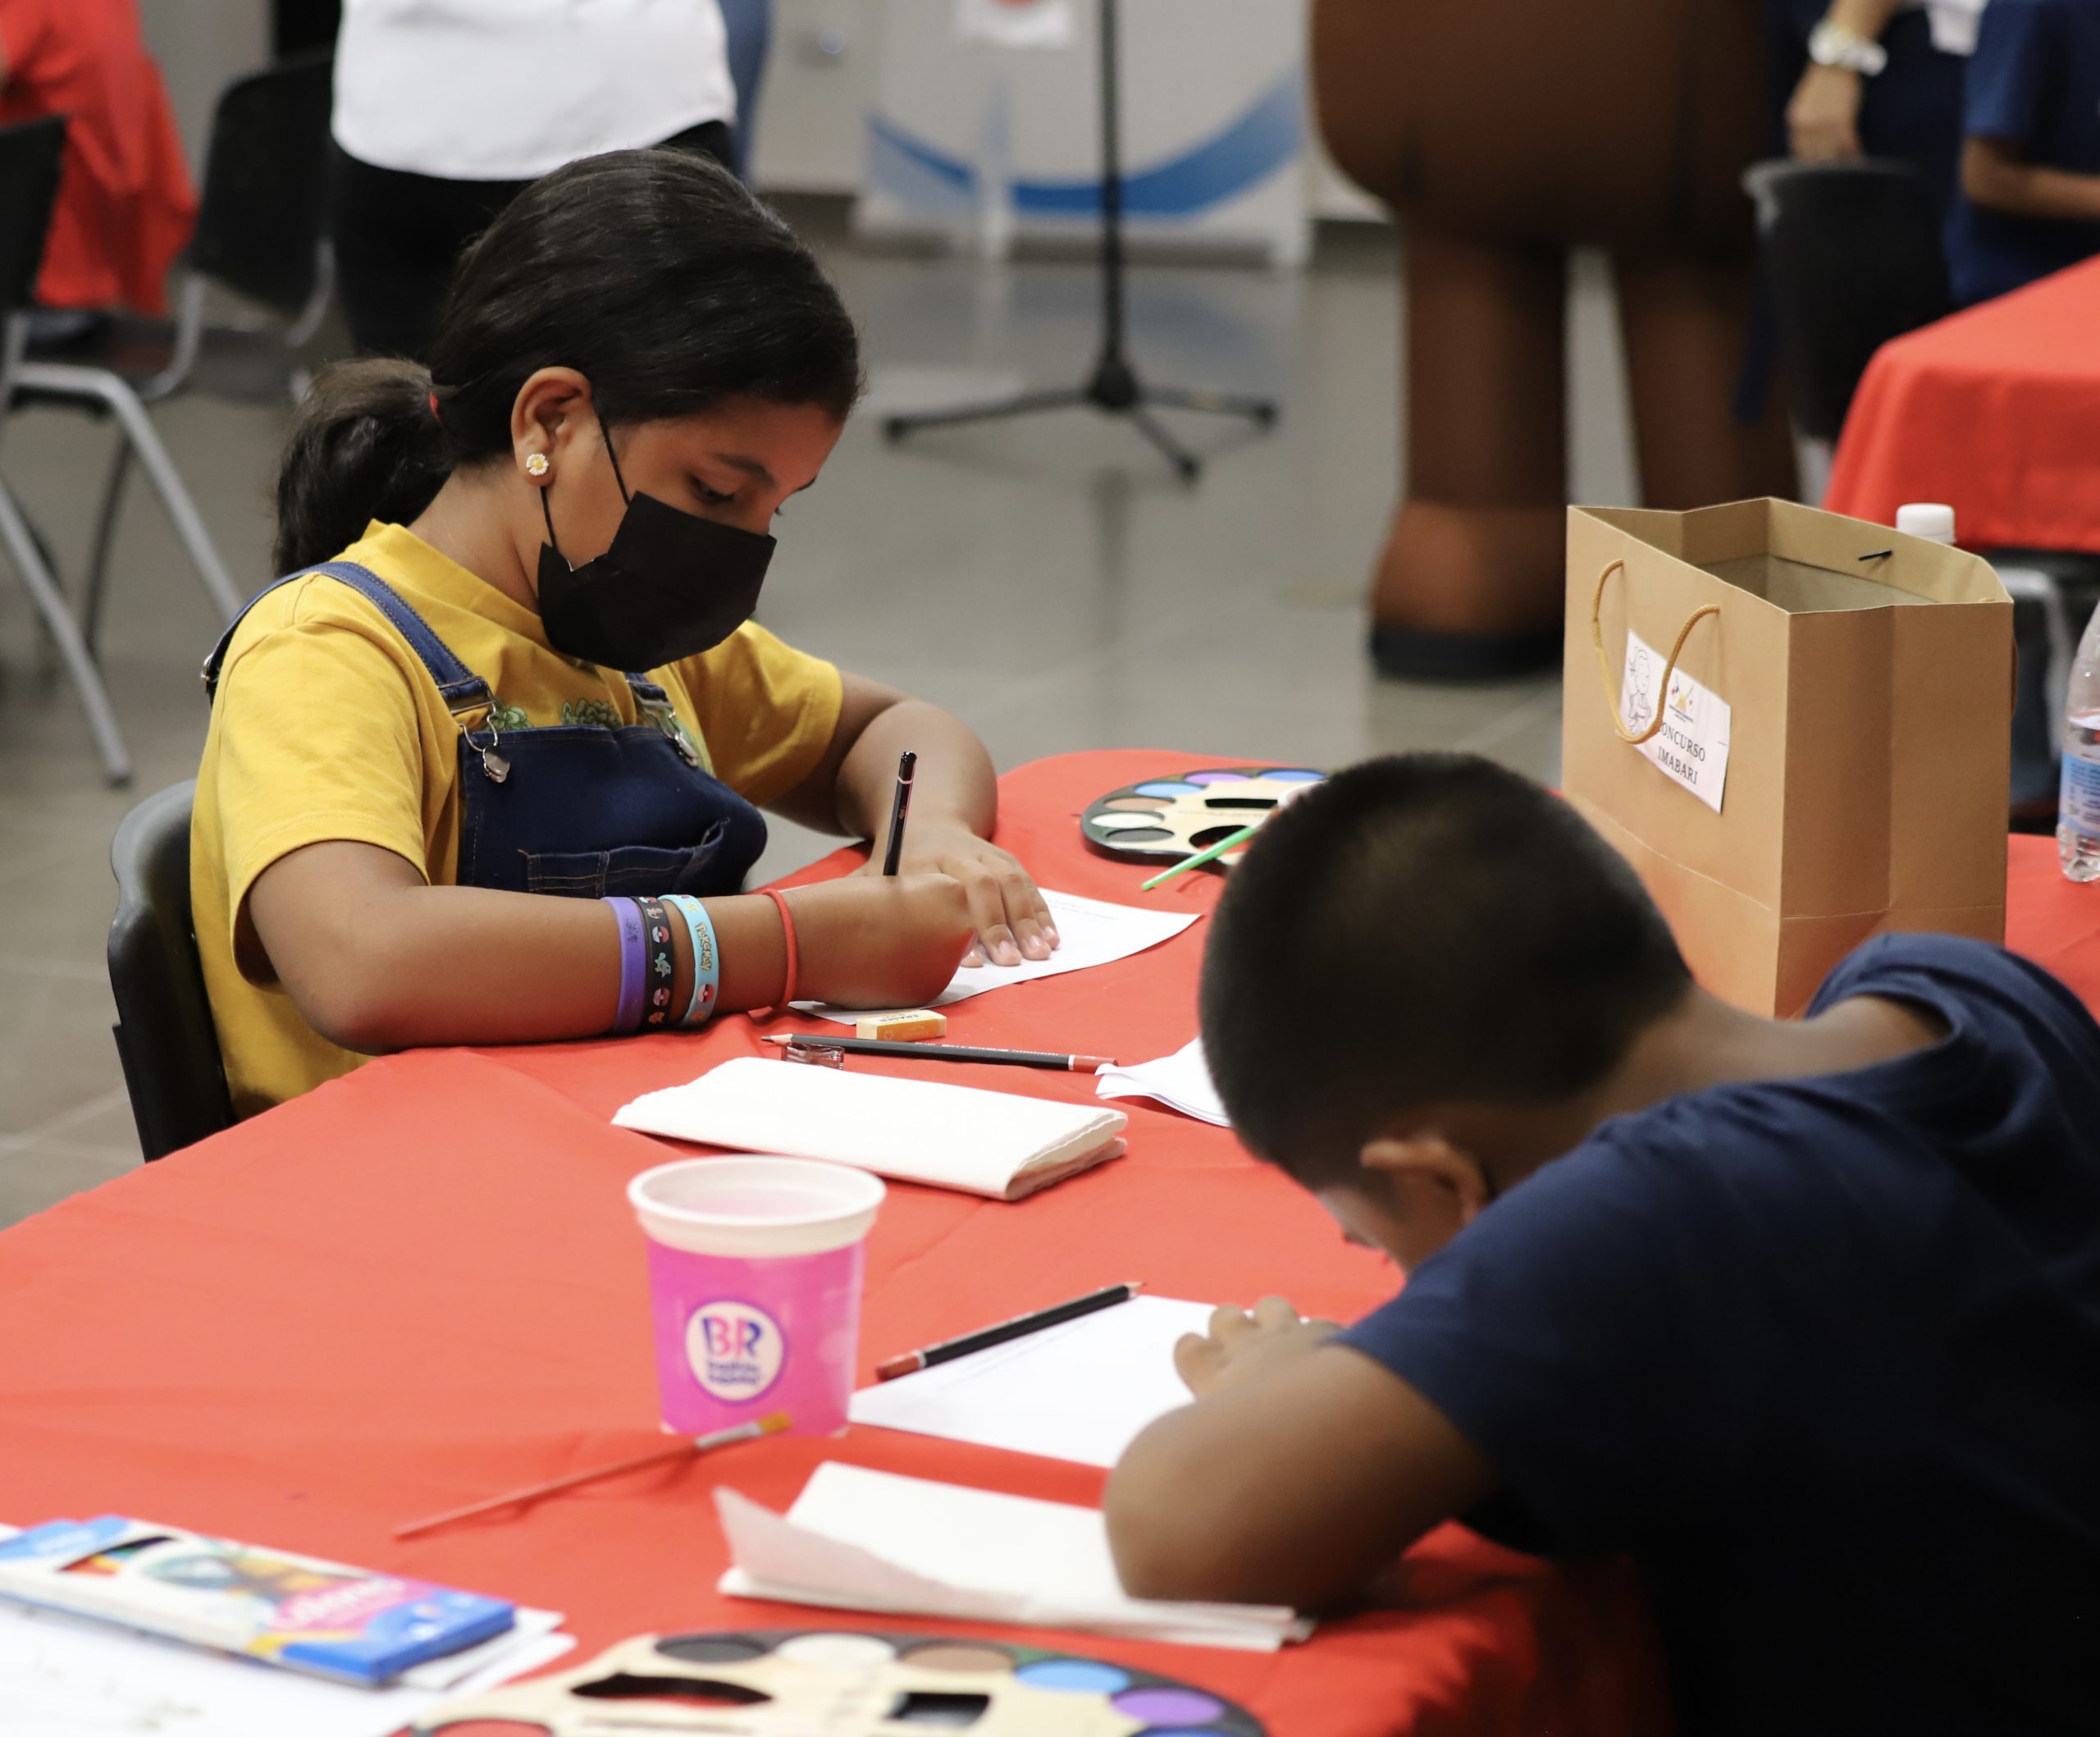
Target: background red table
x,y
422,1284
1995,411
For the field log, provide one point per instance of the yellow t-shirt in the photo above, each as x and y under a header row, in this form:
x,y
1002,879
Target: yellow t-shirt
x,y
327,726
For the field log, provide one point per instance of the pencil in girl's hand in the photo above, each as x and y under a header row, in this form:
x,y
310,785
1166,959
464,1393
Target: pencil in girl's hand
x,y
906,762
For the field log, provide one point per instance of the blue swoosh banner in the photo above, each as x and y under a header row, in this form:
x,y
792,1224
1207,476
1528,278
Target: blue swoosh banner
x,y
1263,139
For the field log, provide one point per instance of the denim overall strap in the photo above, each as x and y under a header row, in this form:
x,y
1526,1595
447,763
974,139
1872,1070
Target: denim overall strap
x,y
460,688
650,700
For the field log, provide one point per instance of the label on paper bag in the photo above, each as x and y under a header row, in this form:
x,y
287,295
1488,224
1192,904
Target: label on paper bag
x,y
1691,746
1015,24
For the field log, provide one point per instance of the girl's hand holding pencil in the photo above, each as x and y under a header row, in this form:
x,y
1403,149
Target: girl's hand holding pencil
x,y
1012,922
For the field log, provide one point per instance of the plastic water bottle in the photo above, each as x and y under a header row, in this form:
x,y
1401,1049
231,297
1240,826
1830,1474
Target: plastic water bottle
x,y
2078,801
2078,810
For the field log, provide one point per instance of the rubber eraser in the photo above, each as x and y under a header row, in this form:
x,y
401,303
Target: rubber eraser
x,y
902,1028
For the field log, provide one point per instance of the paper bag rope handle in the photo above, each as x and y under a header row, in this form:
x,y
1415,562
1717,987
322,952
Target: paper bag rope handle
x,y
1604,663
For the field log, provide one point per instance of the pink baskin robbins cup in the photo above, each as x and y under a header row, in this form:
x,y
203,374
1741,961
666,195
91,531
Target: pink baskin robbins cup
x,y
755,1269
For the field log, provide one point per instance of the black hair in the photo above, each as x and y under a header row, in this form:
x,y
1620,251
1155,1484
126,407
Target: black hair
x,y
1421,929
653,273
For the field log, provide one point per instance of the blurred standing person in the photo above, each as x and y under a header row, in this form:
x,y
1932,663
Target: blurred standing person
x,y
125,201
446,110
750,26
1874,78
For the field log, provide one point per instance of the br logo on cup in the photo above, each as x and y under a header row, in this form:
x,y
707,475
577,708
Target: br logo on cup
x,y
735,1350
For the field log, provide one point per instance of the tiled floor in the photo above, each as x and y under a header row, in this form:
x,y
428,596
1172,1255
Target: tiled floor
x,y
1049,580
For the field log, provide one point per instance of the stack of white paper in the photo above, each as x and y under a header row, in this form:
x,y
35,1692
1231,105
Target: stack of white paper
x,y
1080,1391
863,1540
993,1143
1090,932
1181,1081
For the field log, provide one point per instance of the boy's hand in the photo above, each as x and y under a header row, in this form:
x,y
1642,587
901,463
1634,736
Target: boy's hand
x,y
1012,923
1238,1341
1823,119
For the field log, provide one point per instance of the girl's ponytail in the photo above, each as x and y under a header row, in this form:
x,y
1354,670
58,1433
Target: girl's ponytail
x,y
365,446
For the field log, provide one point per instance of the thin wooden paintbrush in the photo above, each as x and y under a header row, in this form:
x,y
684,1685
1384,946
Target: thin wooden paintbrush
x,y
772,1424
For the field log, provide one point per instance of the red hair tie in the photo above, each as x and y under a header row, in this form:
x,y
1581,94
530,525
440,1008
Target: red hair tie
x,y
434,416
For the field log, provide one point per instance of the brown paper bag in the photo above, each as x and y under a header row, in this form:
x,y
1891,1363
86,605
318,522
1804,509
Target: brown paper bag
x,y
1863,768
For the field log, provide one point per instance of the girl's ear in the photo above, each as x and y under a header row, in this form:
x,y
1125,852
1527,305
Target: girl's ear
x,y
552,411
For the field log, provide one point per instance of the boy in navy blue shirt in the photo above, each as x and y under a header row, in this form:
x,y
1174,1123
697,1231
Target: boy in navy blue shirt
x,y
1804,1315
2031,163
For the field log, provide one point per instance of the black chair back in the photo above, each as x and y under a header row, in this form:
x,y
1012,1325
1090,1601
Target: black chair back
x,y
264,206
1853,258
164,1036
298,25
30,152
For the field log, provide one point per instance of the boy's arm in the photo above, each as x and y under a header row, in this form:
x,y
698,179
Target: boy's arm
x,y
1995,174
2007,90
1301,1472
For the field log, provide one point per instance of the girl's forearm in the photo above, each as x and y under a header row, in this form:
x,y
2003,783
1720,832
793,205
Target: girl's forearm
x,y
454,965
954,779
374,960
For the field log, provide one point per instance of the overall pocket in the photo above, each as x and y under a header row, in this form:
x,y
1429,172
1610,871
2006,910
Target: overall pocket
x,y
632,871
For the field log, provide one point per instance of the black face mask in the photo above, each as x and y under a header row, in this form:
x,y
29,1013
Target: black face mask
x,y
672,585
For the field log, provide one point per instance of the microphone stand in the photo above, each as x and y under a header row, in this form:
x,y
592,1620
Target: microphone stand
x,y
1114,387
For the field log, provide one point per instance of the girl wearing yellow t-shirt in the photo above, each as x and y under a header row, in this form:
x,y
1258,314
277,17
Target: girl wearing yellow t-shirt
x,y
434,718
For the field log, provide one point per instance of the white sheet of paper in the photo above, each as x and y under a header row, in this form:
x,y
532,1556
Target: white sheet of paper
x,y
68,1676
1181,1081
863,1540
1090,932
1078,1392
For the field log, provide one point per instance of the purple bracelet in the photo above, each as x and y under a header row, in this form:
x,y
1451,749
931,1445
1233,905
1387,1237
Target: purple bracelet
x,y
634,951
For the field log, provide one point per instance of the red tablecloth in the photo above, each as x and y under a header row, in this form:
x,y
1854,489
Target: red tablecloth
x,y
1995,411
421,1284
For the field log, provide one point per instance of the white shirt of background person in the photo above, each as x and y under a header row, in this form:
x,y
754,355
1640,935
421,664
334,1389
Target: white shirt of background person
x,y
1953,22
511,89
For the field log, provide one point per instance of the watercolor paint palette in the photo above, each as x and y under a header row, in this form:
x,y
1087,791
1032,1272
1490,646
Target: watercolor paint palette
x,y
795,1682
1160,821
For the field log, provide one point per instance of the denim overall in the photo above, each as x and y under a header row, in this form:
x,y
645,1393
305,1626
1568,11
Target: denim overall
x,y
581,809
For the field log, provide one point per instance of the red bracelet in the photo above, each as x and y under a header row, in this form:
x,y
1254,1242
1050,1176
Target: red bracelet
x,y
787,936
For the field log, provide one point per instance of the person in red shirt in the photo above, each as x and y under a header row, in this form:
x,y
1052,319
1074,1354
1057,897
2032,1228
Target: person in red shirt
x,y
125,199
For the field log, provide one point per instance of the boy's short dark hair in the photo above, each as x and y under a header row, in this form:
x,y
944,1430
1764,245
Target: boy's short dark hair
x,y
1425,928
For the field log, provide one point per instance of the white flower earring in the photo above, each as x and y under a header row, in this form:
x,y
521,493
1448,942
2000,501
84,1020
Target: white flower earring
x,y
537,466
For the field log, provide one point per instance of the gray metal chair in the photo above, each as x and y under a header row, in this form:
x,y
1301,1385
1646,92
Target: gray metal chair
x,y
259,233
30,159
164,1036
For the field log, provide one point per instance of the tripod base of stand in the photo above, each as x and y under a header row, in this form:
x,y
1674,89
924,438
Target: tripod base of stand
x,y
1115,390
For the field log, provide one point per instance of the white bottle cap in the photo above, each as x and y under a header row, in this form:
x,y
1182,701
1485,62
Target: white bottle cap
x,y
1930,520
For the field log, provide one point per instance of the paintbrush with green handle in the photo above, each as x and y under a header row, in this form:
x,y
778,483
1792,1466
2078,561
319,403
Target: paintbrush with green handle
x,y
1233,841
